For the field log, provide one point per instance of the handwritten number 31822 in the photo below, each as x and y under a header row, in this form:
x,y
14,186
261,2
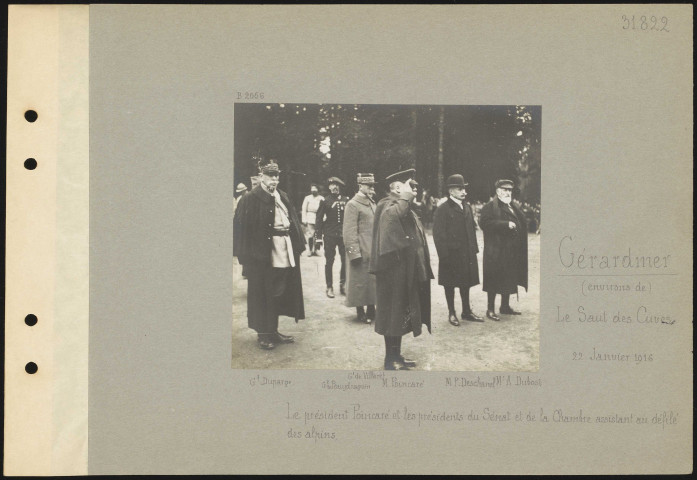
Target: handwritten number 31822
x,y
645,22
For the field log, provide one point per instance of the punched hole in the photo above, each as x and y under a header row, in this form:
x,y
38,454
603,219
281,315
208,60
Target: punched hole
x,y
31,116
31,368
31,319
30,163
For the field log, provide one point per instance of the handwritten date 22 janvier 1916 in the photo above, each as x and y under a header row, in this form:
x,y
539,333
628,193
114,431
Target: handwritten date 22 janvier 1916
x,y
646,23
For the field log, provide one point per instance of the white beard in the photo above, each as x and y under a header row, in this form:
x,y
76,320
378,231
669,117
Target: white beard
x,y
507,201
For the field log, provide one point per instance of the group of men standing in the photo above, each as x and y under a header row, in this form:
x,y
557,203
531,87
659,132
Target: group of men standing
x,y
389,272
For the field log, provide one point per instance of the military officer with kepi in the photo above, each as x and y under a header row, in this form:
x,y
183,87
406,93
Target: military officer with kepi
x,y
400,261
330,223
505,249
268,241
358,239
456,243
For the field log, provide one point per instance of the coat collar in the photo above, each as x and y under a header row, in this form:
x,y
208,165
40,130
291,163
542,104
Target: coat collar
x,y
452,204
266,197
362,199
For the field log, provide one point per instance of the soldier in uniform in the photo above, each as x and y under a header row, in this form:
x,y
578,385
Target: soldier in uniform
x,y
400,261
268,241
456,243
330,224
358,239
505,249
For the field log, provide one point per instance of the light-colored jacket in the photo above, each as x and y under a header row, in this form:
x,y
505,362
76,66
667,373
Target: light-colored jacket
x,y
358,239
309,210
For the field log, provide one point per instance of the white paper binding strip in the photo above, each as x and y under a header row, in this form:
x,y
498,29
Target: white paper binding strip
x,y
47,272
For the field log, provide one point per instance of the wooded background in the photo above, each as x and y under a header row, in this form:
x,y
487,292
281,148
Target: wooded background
x,y
312,142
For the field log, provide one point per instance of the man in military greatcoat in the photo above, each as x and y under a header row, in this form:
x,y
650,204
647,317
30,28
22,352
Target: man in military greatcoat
x,y
358,238
505,249
456,243
268,241
400,261
330,224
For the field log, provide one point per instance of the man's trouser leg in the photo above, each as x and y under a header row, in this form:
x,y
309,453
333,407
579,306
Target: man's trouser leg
x,y
329,253
342,254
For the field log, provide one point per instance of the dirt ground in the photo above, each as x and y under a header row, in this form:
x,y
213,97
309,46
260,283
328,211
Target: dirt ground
x,y
330,338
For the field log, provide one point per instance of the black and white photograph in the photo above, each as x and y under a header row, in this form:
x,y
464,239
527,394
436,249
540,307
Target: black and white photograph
x,y
395,237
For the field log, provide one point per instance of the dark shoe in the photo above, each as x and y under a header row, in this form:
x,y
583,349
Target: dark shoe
x,y
361,318
407,362
368,320
508,311
471,317
266,344
284,338
452,318
490,314
330,292
395,365
342,289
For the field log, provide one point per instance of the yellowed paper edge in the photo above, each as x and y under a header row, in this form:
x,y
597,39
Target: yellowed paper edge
x,y
47,245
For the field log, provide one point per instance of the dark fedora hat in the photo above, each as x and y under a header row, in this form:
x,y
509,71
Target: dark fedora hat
x,y
400,176
456,181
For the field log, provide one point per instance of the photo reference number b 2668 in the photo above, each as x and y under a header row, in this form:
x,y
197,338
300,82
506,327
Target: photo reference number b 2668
x,y
645,22
250,96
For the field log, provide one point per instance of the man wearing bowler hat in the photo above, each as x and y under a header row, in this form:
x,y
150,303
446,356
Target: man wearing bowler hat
x,y
330,224
268,241
358,239
456,243
505,249
400,261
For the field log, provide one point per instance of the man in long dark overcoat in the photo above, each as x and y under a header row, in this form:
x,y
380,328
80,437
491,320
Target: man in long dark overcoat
x,y
359,215
268,241
505,249
400,262
456,243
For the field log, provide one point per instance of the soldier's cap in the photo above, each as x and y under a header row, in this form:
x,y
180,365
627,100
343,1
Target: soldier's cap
x,y
365,179
241,188
268,167
456,181
504,183
335,180
400,176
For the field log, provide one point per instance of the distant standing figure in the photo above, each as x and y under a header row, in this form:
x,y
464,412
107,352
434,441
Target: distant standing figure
x,y
239,191
505,249
358,238
330,224
456,243
309,217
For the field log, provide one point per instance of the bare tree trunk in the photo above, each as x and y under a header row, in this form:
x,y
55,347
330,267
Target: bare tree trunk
x,y
441,128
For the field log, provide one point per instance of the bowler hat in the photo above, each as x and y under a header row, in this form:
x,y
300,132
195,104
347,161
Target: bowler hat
x,y
336,180
365,179
504,183
456,181
241,188
400,176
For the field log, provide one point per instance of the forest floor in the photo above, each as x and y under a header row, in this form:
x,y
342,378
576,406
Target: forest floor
x,y
330,338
